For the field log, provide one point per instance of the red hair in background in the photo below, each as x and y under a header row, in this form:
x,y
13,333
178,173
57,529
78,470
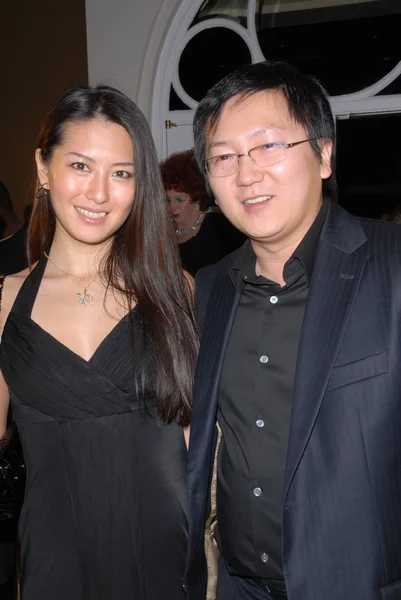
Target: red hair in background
x,y
181,173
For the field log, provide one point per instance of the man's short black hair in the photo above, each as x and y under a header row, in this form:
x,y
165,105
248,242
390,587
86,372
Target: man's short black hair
x,y
307,101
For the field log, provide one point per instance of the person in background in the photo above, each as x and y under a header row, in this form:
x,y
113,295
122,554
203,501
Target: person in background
x,y
97,355
13,236
204,236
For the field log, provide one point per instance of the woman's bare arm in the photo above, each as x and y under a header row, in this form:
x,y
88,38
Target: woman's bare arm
x,y
10,290
186,435
4,404
191,283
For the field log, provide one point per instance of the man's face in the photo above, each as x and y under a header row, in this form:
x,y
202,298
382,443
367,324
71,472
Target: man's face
x,y
272,205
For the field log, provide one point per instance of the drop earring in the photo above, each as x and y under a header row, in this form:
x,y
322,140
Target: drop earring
x,y
41,192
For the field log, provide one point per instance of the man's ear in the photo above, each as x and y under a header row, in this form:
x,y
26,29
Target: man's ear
x,y
326,149
42,169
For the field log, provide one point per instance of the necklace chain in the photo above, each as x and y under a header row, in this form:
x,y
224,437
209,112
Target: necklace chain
x,y
181,232
82,297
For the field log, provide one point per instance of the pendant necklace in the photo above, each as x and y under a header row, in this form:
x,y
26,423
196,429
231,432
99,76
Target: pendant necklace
x,y
82,297
193,227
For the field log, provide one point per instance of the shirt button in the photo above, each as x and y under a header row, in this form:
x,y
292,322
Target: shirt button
x,y
260,423
263,359
257,492
273,299
264,557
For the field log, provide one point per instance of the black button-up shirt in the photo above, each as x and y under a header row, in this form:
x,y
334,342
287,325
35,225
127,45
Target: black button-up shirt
x,y
254,408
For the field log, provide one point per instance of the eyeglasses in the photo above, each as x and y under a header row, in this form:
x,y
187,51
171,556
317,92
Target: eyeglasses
x,y
265,155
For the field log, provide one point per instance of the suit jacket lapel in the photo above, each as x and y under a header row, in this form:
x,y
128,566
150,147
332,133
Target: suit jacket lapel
x,y
340,260
221,309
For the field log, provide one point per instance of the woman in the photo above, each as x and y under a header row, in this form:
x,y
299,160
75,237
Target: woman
x,y
97,355
204,237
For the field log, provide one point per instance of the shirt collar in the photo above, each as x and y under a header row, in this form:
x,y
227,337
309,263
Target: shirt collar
x,y
244,267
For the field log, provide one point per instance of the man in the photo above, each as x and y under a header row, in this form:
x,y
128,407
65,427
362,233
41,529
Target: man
x,y
299,361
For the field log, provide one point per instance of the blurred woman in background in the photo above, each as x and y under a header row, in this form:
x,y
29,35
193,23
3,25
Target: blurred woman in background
x,y
204,235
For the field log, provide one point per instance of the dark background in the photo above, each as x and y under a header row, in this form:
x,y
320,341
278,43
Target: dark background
x,y
43,53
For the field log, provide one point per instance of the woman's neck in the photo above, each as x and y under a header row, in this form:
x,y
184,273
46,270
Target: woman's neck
x,y
77,258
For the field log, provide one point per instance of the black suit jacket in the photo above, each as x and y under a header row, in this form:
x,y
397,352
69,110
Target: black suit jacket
x,y
342,496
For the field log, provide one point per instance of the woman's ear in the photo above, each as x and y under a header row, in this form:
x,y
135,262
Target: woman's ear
x,y
41,168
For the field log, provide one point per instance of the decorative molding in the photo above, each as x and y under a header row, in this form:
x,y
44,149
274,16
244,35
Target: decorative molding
x,y
169,58
157,35
374,89
179,35
254,49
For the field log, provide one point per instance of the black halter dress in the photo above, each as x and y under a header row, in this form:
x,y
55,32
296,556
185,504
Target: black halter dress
x,y
104,516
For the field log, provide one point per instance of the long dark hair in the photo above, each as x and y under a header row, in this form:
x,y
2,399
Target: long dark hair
x,y
143,262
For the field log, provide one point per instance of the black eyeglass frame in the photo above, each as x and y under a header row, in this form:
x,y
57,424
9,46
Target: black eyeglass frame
x,y
285,145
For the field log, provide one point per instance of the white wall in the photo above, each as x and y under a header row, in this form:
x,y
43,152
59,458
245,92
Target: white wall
x,y
124,39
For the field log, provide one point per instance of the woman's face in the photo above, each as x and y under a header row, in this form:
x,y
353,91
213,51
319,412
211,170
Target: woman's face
x,y
90,176
182,209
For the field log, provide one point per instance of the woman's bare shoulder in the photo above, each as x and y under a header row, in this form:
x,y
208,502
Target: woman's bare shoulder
x,y
11,286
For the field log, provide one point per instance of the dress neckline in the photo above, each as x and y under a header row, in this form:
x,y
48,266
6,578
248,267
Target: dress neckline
x,y
24,303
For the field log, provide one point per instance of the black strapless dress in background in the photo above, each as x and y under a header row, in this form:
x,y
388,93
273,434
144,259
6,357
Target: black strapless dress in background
x,y
104,516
